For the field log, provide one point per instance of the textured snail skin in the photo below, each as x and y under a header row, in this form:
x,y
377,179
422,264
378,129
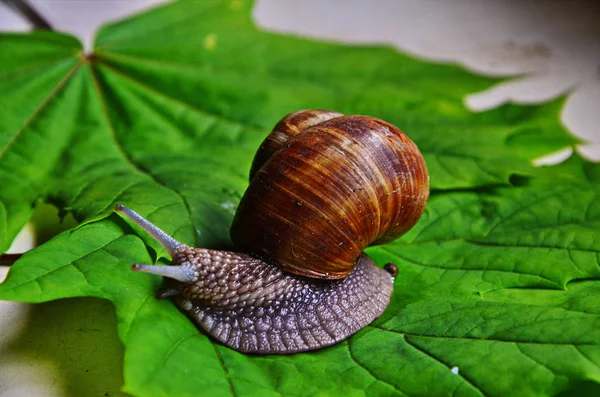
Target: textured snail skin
x,y
254,307
330,191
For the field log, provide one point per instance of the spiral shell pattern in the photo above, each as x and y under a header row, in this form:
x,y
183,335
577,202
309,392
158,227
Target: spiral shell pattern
x,y
328,191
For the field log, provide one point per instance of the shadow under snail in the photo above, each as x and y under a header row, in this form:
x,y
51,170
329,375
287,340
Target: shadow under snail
x,y
323,186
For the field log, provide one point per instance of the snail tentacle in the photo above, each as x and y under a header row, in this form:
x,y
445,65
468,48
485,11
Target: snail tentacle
x,y
168,242
184,273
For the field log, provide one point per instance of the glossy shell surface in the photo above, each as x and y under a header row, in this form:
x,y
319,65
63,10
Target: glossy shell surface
x,y
328,192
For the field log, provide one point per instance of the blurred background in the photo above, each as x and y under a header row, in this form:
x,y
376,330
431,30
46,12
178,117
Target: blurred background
x,y
546,49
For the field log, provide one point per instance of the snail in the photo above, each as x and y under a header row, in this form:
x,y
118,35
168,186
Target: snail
x,y
323,186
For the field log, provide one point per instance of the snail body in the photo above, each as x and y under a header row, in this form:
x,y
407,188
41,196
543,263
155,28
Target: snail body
x,y
323,187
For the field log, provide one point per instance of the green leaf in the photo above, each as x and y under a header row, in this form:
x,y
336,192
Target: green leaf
x,y
539,237
498,280
574,169
289,73
83,131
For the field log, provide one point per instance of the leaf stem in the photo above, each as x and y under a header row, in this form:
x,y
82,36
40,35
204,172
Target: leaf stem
x,y
9,259
27,11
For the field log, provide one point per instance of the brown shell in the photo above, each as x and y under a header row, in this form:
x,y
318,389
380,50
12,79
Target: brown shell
x,y
330,191
290,126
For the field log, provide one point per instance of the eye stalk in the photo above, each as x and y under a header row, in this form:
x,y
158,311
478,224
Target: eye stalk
x,y
168,242
182,272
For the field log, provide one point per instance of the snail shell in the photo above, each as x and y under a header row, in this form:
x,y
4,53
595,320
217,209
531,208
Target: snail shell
x,y
329,189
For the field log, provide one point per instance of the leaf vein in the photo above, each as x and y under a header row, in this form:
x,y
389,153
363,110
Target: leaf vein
x,y
585,356
41,106
34,66
536,362
481,339
70,263
522,208
224,368
353,358
410,260
188,106
129,159
168,354
426,353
